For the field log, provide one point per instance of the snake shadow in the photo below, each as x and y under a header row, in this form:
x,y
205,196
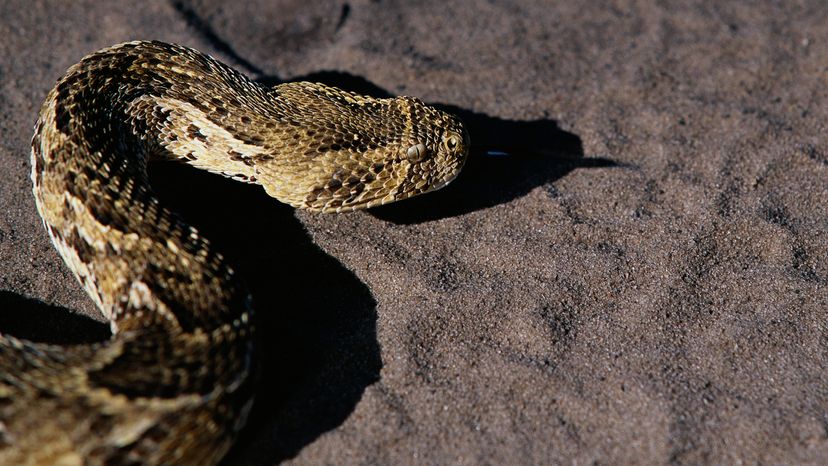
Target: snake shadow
x,y
508,158
24,318
316,319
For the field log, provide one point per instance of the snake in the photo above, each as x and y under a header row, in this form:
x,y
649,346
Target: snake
x,y
176,381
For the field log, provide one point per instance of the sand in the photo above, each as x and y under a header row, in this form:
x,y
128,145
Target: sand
x,y
642,279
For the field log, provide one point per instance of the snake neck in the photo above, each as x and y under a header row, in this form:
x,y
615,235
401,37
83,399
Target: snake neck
x,y
141,263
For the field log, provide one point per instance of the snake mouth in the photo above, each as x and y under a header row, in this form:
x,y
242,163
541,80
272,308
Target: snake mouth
x,y
404,195
460,162
445,182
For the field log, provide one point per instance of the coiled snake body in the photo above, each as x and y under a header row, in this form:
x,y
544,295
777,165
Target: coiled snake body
x,y
175,382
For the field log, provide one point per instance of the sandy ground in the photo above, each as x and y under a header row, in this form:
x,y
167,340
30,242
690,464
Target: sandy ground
x,y
642,280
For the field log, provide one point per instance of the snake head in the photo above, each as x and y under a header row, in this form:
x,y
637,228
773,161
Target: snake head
x,y
423,152
433,151
343,151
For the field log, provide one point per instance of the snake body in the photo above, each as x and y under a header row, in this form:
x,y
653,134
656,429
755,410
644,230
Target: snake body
x,y
175,383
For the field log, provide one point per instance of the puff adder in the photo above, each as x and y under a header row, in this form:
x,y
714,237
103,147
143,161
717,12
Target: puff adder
x,y
175,382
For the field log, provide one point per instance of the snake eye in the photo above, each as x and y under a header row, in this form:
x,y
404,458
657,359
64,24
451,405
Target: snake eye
x,y
452,142
416,152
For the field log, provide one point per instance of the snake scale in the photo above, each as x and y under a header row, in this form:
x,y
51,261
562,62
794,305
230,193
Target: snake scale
x,y
175,383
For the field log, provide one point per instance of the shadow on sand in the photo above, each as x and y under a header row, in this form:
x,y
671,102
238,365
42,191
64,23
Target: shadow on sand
x,y
35,320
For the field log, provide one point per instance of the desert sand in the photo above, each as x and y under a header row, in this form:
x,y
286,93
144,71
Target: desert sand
x,y
631,268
